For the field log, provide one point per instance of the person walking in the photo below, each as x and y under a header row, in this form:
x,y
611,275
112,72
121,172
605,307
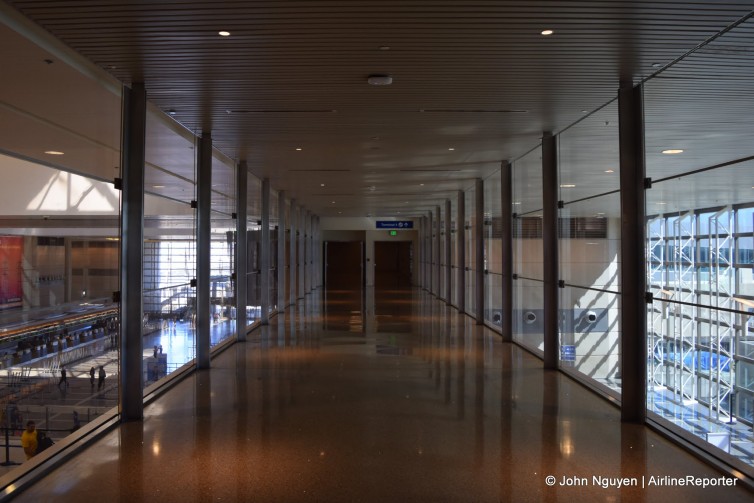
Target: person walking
x,y
91,377
63,377
29,440
102,376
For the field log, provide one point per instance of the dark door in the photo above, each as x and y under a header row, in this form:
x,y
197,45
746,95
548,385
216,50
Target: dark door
x,y
344,265
392,264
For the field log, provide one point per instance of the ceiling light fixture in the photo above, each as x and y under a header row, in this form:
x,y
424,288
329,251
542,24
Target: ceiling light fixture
x,y
380,80
299,149
547,32
567,185
53,152
451,149
672,151
158,186
333,202
384,47
609,171
224,33
321,184
421,185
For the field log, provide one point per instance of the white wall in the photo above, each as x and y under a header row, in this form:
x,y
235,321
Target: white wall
x,y
371,234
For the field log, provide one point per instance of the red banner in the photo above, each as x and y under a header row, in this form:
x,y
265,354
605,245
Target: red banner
x,y
11,271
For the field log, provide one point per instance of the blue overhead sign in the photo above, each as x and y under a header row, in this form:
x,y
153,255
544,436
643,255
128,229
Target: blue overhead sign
x,y
392,224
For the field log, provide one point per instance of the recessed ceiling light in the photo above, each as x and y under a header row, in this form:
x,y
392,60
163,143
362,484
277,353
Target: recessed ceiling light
x,y
224,33
672,151
53,152
333,202
451,149
661,204
609,171
656,65
340,212
567,185
321,184
299,149
547,32
384,47
421,185
380,80
517,202
158,186
584,111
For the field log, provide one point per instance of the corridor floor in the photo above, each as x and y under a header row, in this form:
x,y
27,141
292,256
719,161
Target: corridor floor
x,y
387,397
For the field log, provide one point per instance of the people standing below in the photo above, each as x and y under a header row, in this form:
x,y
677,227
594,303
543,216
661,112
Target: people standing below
x,y
29,440
43,442
63,377
102,376
91,377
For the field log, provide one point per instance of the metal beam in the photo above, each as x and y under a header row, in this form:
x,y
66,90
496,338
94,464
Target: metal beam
x,y
448,255
264,253
242,175
281,236
203,239
550,248
479,252
633,309
506,249
131,379
461,252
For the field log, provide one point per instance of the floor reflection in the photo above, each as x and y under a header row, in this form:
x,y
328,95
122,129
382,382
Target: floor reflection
x,y
416,404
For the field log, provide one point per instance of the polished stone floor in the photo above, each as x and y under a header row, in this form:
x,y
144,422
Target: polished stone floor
x,y
386,397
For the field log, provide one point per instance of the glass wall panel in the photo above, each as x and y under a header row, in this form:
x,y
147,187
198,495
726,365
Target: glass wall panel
x,y
589,242
527,251
470,266
59,249
699,237
253,243
493,259
169,248
222,252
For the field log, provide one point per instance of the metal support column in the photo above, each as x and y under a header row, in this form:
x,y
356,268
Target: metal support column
x,y
264,253
431,251
308,252
633,309
282,225
131,380
506,249
203,237
479,251
448,256
423,250
438,252
301,239
242,175
461,252
292,266
550,248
